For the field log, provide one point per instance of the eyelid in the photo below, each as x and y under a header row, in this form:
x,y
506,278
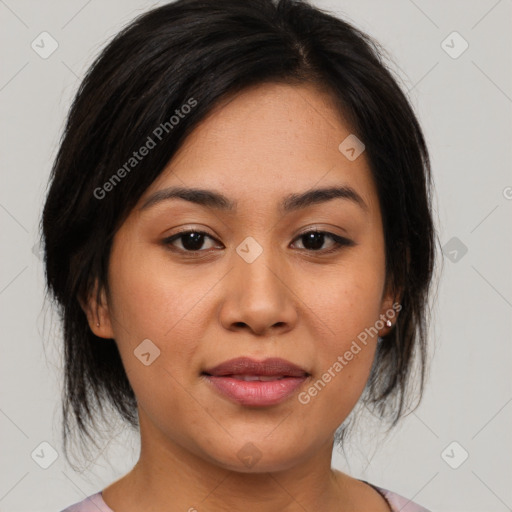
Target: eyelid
x,y
318,229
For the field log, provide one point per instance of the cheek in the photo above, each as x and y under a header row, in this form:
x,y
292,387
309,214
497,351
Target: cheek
x,y
348,306
347,301
152,299
149,302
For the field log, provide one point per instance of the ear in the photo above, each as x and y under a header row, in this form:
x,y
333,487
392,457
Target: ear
x,y
97,311
390,308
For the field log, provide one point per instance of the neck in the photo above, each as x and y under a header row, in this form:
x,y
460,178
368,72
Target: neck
x,y
172,478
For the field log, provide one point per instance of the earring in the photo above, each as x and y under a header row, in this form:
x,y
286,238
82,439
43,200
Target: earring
x,y
388,323
97,324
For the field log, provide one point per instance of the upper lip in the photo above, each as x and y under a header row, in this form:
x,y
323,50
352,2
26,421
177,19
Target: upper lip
x,y
268,367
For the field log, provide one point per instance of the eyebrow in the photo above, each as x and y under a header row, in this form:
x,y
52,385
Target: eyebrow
x,y
290,203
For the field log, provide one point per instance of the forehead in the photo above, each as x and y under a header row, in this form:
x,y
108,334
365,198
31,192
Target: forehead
x,y
267,142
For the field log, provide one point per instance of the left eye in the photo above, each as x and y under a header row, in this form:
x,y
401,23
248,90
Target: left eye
x,y
193,241
315,239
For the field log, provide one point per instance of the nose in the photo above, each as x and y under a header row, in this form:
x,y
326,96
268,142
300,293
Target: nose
x,y
258,296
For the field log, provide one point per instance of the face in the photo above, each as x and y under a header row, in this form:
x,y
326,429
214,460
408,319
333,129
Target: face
x,y
251,281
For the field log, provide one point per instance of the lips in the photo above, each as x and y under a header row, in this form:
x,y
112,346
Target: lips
x,y
256,383
246,367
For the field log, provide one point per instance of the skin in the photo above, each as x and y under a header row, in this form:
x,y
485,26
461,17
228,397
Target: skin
x,y
202,308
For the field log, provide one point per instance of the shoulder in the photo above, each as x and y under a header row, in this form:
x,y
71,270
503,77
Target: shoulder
x,y
93,503
399,503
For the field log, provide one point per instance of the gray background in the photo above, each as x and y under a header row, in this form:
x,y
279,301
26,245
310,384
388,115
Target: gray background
x,y
464,105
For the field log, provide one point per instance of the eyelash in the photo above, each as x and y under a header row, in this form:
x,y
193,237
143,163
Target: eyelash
x,y
339,241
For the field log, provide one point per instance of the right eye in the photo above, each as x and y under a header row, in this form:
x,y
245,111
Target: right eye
x,y
191,241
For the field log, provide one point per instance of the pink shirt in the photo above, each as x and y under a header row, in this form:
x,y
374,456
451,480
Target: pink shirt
x,y
397,503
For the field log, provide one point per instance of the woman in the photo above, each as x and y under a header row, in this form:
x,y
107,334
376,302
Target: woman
x,y
238,234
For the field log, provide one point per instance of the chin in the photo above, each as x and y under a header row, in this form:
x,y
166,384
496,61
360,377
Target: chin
x,y
261,455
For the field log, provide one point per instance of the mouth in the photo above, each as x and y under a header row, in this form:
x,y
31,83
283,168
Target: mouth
x,y
252,378
247,367
256,383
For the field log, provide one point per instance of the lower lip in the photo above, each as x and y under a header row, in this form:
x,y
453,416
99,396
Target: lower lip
x,y
256,393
